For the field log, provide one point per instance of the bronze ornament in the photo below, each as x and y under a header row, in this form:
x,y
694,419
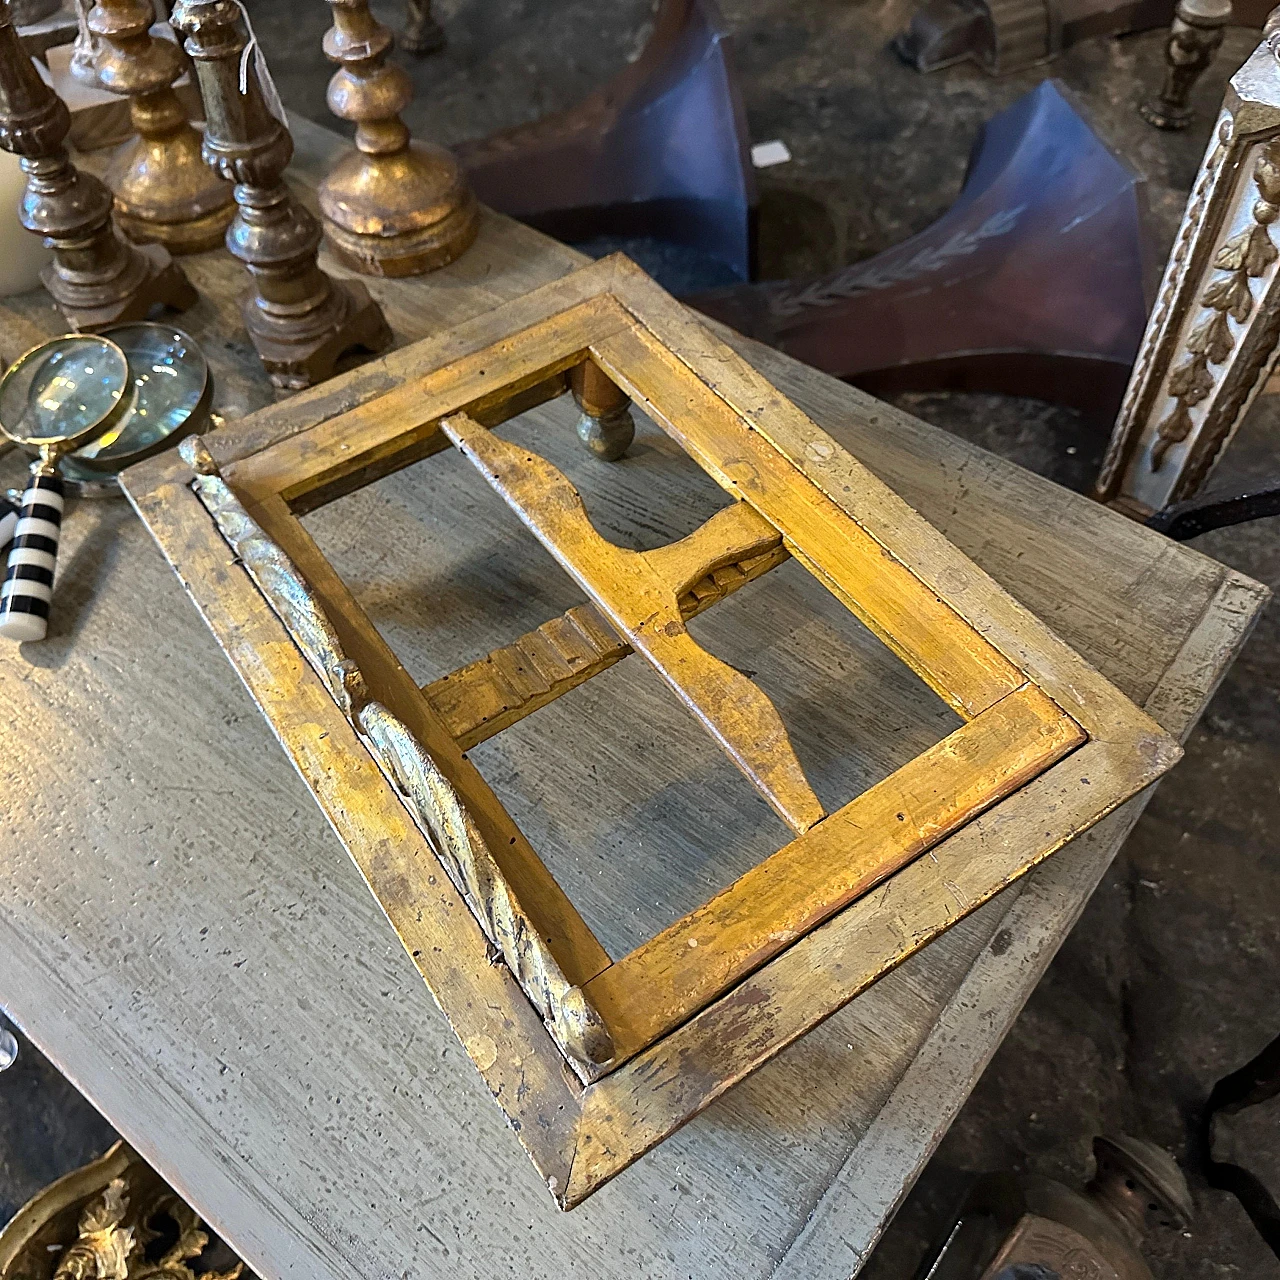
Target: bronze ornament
x,y
164,192
393,207
112,1219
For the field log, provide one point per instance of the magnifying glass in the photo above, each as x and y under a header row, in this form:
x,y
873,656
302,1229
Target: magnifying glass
x,y
47,399
170,393
55,399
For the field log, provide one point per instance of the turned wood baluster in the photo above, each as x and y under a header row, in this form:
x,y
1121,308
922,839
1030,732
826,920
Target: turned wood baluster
x,y
96,279
301,321
164,191
1197,31
605,425
393,207
422,33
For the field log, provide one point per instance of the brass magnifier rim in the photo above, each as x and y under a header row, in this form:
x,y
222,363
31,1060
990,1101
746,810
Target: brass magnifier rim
x,y
101,425
109,465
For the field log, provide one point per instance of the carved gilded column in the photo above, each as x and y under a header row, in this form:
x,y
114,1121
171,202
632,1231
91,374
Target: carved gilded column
x,y
96,279
393,207
1211,341
301,321
164,191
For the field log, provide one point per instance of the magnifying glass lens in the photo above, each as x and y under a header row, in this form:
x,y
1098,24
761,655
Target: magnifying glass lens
x,y
169,380
71,385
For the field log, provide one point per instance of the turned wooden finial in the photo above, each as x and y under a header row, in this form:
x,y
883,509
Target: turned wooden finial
x,y
164,191
95,278
301,322
393,207
1197,31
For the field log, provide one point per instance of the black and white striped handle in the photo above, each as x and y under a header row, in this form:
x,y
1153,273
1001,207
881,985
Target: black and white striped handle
x,y
8,523
28,583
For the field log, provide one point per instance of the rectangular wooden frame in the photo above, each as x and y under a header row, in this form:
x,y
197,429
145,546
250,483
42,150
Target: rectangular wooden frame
x,y
1047,748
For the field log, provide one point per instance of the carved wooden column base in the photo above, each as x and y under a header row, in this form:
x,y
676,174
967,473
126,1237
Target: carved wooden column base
x,y
164,192
296,357
422,184
147,276
606,426
391,207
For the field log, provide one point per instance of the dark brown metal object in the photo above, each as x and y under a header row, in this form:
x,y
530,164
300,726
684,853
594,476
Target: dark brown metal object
x,y
1032,1226
393,206
661,151
1198,515
1004,36
164,192
1233,1163
422,33
96,279
300,321
1195,36
1031,284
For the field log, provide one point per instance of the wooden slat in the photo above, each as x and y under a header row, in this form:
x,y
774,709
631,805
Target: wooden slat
x,y
575,947
481,699
393,429
970,674
642,605
660,984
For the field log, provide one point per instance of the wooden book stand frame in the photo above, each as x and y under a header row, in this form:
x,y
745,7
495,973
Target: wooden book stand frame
x,y
594,1059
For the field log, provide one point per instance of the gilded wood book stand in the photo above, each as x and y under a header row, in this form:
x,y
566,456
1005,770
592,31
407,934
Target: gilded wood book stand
x,y
1211,340
594,1060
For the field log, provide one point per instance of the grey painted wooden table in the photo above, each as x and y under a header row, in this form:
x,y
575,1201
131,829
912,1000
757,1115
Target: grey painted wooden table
x,y
185,938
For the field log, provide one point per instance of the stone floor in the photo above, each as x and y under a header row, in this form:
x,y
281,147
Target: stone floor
x,y
1168,982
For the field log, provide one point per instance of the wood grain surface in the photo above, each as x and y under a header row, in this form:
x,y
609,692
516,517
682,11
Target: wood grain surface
x,y
187,940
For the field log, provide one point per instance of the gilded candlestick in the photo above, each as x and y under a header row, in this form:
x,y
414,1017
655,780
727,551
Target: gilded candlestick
x,y
164,192
301,321
393,207
95,278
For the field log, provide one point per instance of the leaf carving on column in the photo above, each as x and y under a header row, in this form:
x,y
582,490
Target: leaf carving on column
x,y
1212,339
1247,255
1192,381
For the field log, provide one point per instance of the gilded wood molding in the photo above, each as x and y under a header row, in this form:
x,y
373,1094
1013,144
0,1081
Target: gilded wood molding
x,y
596,1058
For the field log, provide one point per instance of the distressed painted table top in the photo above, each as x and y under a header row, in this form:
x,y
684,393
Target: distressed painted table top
x,y
185,938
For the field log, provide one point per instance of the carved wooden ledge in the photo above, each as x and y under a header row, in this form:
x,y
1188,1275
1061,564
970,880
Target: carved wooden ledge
x,y
1210,343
